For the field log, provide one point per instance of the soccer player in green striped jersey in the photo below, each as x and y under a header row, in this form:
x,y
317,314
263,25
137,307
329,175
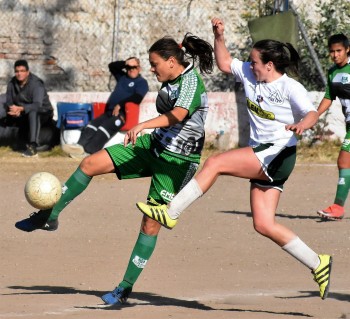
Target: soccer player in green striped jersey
x,y
338,85
169,155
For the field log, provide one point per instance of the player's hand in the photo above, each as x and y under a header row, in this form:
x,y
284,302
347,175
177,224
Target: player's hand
x,y
297,128
218,27
131,135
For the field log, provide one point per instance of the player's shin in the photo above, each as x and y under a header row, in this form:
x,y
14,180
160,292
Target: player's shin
x,y
343,187
299,250
184,198
141,253
74,186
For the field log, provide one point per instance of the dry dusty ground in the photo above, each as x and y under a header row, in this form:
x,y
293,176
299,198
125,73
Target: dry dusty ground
x,y
212,265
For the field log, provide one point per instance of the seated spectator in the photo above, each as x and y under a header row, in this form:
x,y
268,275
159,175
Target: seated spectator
x,y
27,108
130,87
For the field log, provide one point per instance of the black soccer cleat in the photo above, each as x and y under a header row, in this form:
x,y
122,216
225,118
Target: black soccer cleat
x,y
38,220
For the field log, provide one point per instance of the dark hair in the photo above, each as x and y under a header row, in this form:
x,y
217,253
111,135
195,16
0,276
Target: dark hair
x,y
338,38
191,46
275,51
22,63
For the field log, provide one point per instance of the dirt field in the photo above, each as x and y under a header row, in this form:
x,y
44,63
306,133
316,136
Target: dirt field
x,y
211,265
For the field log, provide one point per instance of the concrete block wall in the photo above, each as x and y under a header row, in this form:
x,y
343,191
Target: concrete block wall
x,y
227,123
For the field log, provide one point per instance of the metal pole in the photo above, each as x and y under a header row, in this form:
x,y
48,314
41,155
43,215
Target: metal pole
x,y
309,45
280,6
286,5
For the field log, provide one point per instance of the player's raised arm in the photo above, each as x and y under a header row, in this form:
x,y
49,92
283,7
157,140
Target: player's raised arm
x,y
222,55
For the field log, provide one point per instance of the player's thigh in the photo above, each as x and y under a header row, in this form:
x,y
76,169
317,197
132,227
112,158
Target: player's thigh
x,y
240,162
133,161
97,164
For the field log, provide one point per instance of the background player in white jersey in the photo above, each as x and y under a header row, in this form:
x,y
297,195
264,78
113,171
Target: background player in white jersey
x,y
338,85
170,155
278,108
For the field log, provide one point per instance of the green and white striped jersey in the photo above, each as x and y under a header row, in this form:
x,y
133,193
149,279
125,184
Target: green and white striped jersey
x,y
185,139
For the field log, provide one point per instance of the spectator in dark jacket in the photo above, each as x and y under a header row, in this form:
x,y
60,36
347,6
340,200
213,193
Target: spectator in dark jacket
x,y
130,87
27,106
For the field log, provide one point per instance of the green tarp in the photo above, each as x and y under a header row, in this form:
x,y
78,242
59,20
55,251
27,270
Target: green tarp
x,y
281,27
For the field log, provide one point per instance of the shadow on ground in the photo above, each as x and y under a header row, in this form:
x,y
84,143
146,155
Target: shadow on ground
x,y
318,219
144,298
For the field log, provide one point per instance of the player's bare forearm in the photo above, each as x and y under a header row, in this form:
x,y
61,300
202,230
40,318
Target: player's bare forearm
x,y
222,55
324,106
173,117
307,122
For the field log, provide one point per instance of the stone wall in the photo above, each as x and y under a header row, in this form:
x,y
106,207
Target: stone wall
x,y
69,43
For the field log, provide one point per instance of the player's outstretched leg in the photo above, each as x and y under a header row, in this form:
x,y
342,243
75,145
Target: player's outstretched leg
x,y
322,274
158,213
118,296
38,220
48,219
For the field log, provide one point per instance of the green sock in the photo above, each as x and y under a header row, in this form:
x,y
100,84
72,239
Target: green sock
x,y
143,250
343,187
74,186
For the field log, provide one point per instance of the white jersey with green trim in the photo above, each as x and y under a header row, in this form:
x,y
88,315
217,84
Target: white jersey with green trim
x,y
187,91
272,105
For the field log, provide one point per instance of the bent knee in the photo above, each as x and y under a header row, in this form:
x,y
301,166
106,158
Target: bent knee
x,y
263,228
212,163
149,226
87,165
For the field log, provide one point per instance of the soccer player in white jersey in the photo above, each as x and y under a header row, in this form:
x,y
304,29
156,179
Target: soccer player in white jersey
x,y
279,110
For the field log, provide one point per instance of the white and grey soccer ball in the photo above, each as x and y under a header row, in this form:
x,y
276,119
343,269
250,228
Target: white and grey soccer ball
x,y
43,190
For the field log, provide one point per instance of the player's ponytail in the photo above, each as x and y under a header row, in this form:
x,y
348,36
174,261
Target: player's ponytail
x,y
199,50
294,59
191,47
283,55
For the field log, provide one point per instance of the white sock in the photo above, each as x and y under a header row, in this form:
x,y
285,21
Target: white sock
x,y
184,198
299,250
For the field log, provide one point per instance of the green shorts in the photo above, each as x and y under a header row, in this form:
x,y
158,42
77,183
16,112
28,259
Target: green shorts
x,y
346,142
277,162
147,159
